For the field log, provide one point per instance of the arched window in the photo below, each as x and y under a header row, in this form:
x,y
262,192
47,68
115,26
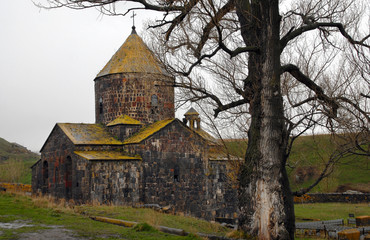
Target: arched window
x,y
45,170
68,177
45,177
154,101
100,105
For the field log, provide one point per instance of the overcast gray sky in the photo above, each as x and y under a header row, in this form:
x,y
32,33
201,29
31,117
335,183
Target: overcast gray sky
x,y
48,61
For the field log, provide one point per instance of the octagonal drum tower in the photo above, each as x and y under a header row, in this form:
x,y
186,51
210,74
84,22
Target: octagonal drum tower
x,y
134,83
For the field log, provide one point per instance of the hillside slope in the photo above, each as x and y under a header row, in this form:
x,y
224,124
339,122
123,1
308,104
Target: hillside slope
x,y
15,162
308,157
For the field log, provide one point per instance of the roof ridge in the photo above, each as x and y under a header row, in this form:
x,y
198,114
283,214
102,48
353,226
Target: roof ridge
x,y
124,120
148,131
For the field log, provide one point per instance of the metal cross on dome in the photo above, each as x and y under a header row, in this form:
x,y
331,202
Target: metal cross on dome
x,y
133,18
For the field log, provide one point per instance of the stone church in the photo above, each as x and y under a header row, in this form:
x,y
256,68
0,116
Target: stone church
x,y
137,152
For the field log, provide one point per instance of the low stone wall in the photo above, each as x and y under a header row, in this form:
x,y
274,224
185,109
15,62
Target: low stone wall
x,y
16,187
333,197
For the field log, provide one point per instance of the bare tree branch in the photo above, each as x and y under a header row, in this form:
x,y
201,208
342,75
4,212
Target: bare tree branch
x,y
317,25
328,169
211,24
297,74
228,106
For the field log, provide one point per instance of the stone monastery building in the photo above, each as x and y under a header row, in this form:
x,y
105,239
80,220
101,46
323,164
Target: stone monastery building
x,y
136,153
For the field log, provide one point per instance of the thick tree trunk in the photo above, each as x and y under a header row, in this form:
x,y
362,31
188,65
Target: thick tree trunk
x,y
266,204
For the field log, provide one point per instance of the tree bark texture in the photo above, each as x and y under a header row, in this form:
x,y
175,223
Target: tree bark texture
x,y
266,202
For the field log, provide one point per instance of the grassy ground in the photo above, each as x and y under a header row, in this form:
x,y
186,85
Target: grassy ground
x,y
330,211
154,218
42,214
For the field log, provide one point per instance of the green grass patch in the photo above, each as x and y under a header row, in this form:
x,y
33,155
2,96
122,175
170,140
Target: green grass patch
x,y
144,227
330,211
16,207
154,218
42,213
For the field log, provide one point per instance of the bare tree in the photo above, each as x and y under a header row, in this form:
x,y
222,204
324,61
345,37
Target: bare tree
x,y
289,79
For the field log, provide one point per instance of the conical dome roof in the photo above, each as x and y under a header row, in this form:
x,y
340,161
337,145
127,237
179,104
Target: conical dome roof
x,y
133,57
191,111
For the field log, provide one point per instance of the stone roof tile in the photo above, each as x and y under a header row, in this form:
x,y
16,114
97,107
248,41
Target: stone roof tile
x,y
88,134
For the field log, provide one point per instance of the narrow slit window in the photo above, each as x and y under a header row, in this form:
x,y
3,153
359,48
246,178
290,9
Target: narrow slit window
x,y
176,174
100,105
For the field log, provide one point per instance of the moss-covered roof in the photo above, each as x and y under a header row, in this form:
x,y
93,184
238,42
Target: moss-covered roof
x,y
86,134
147,131
104,155
133,57
124,120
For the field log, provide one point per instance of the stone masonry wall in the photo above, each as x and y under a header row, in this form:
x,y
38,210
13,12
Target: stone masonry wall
x,y
222,191
58,173
122,132
36,180
333,197
115,182
131,94
175,173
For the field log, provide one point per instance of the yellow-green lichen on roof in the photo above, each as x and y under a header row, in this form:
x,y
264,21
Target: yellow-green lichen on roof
x,y
133,57
94,134
147,131
105,155
124,120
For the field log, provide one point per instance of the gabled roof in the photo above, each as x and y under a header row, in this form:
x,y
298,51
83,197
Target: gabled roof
x,y
104,155
86,134
133,57
124,120
148,131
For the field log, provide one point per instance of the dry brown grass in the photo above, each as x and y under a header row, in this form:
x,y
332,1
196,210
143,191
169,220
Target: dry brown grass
x,y
59,205
153,218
